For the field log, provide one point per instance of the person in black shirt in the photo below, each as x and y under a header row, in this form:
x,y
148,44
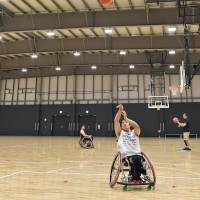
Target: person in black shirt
x,y
185,124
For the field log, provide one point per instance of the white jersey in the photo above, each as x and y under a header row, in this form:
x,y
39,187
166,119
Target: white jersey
x,y
128,144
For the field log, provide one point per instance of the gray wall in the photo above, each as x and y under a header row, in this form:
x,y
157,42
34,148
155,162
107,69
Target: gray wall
x,y
93,89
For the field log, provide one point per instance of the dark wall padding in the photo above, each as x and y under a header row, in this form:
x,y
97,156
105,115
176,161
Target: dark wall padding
x,y
20,120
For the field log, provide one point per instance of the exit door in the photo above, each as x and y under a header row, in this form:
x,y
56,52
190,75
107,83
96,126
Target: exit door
x,y
60,125
89,121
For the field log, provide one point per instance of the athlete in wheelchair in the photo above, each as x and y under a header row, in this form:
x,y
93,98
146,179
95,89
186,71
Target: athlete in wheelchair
x,y
130,166
86,141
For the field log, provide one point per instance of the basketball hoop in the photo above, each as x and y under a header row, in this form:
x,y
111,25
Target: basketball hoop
x,y
158,104
158,108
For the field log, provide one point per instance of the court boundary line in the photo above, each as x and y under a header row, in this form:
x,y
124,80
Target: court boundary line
x,y
85,174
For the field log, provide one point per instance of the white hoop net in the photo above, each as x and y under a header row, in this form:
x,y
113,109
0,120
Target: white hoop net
x,y
175,90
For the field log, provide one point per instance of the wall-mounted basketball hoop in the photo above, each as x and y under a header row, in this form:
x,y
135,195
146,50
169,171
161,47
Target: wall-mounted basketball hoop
x,y
158,102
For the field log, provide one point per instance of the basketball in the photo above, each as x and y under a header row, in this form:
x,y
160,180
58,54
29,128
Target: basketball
x,y
106,3
175,120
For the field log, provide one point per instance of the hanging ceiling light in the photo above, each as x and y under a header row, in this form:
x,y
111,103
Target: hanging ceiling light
x,y
77,53
122,52
172,52
172,29
172,66
58,68
24,70
108,30
34,55
93,67
131,66
51,33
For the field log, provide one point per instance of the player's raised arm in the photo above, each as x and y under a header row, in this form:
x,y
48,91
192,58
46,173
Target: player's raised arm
x,y
132,123
116,120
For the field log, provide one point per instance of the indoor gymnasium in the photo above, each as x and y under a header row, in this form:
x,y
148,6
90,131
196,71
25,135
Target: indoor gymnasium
x,y
99,99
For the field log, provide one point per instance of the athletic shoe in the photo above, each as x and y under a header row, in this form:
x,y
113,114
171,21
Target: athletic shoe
x,y
187,149
137,181
140,181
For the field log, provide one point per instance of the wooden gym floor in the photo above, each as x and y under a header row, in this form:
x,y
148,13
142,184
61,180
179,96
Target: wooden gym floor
x,y
55,168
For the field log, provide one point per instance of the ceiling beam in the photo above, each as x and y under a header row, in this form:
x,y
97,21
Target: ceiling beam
x,y
101,19
30,6
83,33
22,36
117,32
100,4
58,6
94,32
62,34
86,5
88,59
6,11
17,7
116,4
11,36
128,31
43,6
72,5
131,4
72,33
92,44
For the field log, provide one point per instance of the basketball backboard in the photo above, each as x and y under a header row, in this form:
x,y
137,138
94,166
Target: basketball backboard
x,y
158,102
182,77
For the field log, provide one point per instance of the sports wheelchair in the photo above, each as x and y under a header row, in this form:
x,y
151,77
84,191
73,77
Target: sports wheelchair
x,y
120,168
87,142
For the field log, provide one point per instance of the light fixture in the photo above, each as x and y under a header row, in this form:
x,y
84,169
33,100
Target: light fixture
x,y
24,70
1,37
60,112
122,52
51,33
77,53
172,52
172,29
108,30
93,67
172,66
87,111
58,68
131,66
34,55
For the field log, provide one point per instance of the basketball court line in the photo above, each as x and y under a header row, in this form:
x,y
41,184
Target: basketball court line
x,y
175,169
19,145
86,174
93,162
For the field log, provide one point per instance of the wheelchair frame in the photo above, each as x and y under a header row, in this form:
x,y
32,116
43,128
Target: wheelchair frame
x,y
121,171
84,144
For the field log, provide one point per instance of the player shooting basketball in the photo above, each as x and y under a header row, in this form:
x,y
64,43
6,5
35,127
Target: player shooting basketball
x,y
185,124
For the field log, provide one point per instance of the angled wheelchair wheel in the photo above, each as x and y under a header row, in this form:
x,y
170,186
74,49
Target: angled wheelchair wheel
x,y
150,175
86,143
115,169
